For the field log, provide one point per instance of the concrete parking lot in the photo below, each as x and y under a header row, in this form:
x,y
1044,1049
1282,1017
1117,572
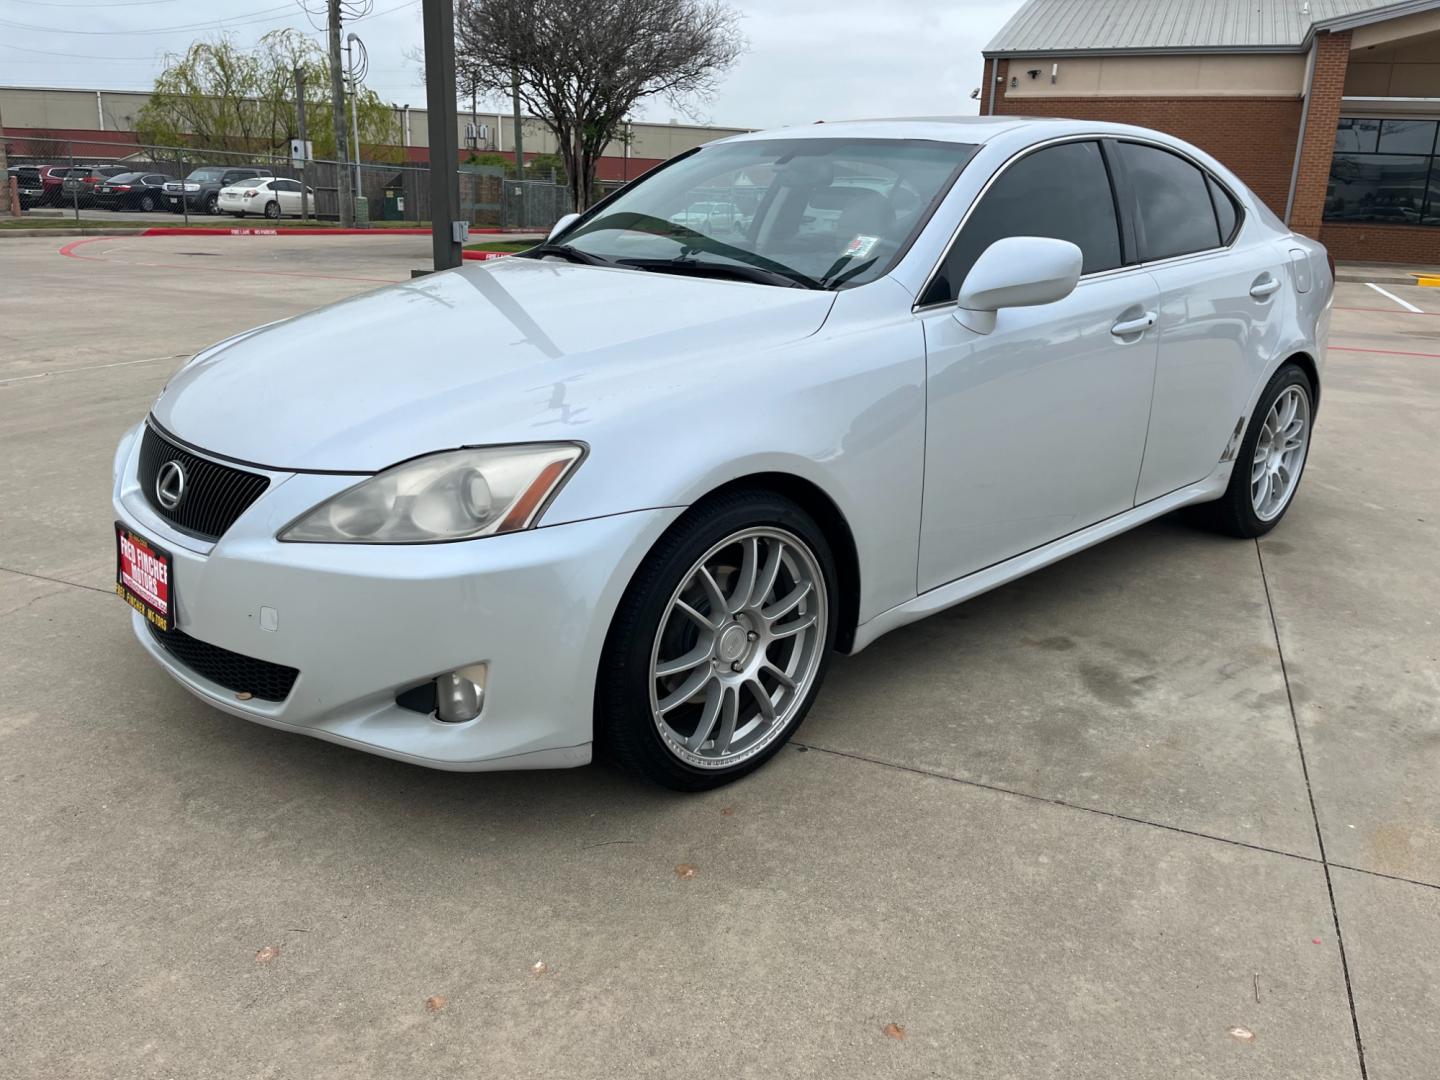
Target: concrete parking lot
x,y
1169,808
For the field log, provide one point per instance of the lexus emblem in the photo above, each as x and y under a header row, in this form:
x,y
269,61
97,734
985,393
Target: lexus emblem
x,y
170,485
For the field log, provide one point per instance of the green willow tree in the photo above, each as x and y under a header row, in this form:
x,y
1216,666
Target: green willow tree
x,y
219,97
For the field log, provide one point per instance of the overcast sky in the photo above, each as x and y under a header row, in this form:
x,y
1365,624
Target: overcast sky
x,y
808,59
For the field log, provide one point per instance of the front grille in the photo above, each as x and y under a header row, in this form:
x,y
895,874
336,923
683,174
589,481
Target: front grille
x,y
214,494
243,674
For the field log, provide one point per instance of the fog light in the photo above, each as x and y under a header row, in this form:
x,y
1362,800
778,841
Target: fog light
x,y
460,695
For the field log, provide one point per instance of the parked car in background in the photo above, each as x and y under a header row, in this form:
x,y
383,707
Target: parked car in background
x,y
201,189
81,183
276,197
52,179
133,191
710,216
28,183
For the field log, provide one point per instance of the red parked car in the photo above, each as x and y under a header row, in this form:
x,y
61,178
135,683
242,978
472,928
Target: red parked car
x,y
51,179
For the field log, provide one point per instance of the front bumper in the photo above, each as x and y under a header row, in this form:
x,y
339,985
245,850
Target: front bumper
x,y
364,622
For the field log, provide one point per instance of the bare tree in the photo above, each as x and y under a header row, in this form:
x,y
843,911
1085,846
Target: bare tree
x,y
582,65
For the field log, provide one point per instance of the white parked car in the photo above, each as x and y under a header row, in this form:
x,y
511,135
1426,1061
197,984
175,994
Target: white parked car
x,y
633,488
713,217
274,197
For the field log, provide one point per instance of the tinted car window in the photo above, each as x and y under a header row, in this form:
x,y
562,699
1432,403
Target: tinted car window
x,y
1172,202
1062,192
1226,212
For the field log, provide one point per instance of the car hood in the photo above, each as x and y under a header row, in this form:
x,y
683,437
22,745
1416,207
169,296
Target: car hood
x,y
514,350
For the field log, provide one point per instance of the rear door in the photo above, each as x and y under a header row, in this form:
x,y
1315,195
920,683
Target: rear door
x,y
1219,291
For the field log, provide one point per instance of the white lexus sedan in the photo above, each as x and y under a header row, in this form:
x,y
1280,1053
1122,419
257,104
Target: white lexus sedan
x,y
632,488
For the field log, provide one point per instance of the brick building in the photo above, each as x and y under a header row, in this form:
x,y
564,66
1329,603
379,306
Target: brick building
x,y
1328,109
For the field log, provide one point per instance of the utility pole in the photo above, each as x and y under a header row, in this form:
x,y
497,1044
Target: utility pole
x,y
447,230
519,135
11,202
353,69
337,102
304,143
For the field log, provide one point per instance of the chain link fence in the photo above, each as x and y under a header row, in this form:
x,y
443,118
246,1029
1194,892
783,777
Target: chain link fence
x,y
98,183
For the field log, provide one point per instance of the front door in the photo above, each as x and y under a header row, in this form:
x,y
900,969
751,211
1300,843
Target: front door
x,y
1036,429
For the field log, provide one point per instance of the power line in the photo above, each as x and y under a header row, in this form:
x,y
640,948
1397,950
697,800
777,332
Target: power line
x,y
216,24
120,4
78,56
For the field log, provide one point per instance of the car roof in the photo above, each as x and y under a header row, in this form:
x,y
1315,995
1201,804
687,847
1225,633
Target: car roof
x,y
957,129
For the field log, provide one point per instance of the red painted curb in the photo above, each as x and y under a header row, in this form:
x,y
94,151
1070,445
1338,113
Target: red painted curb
x,y
485,254
282,230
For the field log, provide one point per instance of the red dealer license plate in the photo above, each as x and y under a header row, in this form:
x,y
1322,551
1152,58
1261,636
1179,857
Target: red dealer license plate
x,y
142,577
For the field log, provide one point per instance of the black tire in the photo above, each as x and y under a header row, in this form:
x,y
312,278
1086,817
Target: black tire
x,y
1234,513
625,729
147,203
212,205
272,211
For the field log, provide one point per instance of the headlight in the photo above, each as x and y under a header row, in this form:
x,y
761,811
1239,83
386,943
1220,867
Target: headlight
x,y
455,495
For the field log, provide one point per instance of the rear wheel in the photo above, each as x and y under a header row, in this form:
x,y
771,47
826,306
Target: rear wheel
x,y
147,203
1270,460
720,643
272,211
212,206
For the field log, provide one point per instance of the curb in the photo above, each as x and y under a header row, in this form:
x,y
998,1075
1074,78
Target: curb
x,y
485,255
197,230
1359,277
278,230
69,232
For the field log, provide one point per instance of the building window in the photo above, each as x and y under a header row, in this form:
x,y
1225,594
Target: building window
x,y
1384,171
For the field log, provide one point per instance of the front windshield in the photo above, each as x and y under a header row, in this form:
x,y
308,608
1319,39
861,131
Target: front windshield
x,y
206,174
819,211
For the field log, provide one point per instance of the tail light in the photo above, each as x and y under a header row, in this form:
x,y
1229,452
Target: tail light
x,y
122,187
251,194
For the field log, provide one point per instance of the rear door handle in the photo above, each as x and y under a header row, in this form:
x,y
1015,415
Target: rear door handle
x,y
1126,327
1263,288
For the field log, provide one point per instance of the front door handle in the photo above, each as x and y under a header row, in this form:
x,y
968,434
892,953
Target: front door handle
x,y
1139,325
1263,288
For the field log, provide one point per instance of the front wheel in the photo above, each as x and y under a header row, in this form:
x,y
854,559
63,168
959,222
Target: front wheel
x,y
272,211
720,643
1270,460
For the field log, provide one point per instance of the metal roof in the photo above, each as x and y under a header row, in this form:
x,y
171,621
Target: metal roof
x,y
1071,26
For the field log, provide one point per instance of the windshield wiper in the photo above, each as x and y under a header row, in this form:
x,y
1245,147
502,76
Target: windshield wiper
x,y
790,279
568,253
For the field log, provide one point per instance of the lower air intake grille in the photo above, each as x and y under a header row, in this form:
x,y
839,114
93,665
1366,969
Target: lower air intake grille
x,y
243,674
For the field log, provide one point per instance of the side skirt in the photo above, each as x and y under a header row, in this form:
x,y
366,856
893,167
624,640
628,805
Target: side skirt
x,y
992,577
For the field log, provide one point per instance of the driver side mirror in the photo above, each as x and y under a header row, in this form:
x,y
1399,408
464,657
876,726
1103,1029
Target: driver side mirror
x,y
560,226
1017,271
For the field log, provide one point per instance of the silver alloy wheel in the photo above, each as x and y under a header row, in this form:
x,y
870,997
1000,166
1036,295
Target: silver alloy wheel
x,y
738,647
1280,453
